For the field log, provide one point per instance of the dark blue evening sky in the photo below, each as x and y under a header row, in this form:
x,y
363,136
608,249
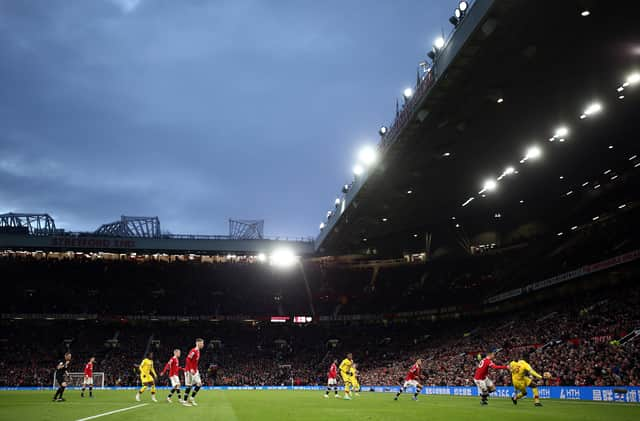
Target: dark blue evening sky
x,y
197,111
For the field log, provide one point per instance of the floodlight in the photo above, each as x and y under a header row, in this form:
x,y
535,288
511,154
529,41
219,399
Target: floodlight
x,y
262,257
633,78
439,43
561,131
457,13
345,188
490,185
322,226
593,108
283,258
367,155
533,152
509,170
383,130
463,6
407,93
585,13
337,202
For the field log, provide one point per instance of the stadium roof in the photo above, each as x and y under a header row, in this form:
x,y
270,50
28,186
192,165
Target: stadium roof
x,y
512,74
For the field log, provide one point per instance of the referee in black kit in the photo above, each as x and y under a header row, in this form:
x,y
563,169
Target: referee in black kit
x,y
62,376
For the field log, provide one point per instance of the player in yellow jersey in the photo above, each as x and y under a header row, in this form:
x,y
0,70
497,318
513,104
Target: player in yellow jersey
x,y
354,379
521,376
148,377
345,372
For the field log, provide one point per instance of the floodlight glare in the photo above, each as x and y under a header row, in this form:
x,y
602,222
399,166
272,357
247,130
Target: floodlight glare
x,y
262,257
593,108
283,258
509,170
383,130
439,43
368,155
561,131
490,185
533,152
407,93
357,169
633,78
463,6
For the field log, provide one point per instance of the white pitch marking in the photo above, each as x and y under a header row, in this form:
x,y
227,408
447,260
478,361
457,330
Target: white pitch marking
x,y
113,412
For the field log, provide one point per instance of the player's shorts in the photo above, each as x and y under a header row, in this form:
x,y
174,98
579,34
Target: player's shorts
x,y
88,380
146,378
332,381
60,380
192,379
410,383
175,381
345,378
355,383
484,385
521,384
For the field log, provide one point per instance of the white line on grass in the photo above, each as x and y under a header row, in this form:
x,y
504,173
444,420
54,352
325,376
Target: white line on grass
x,y
113,412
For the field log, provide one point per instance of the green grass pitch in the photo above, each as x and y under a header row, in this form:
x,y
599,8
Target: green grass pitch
x,y
299,405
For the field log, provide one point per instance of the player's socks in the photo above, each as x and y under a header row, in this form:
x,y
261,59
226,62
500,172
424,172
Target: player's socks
x,y
187,392
62,388
398,394
82,393
91,391
142,389
195,391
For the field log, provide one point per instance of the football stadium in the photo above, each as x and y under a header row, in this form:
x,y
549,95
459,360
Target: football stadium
x,y
480,261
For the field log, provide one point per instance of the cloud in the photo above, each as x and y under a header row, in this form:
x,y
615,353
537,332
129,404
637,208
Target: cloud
x,y
127,6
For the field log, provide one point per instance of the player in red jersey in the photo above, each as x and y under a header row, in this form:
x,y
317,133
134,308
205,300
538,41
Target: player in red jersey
x,y
191,373
481,379
412,380
332,379
88,378
173,368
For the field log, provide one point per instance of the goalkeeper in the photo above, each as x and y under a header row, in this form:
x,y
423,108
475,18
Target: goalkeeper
x,y
523,376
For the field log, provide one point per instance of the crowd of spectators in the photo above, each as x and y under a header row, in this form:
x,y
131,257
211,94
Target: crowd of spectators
x,y
577,340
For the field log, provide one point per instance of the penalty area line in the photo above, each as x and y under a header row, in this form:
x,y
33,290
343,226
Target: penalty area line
x,y
112,412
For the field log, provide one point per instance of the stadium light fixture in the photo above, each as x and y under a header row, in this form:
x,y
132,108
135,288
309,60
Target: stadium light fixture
x,y
415,235
263,257
521,201
595,218
585,13
562,177
283,258
407,93
570,192
454,20
607,172
329,214
337,202
585,184
622,206
457,225
446,154
500,100
384,219
345,188
409,191
561,132
457,13
573,228
463,6
358,170
368,156
620,96
560,234
322,226
593,108
469,200
439,43
533,152
610,146
637,165
489,185
383,130
632,157
633,78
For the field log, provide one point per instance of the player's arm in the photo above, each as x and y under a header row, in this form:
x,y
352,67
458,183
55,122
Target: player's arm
x,y
166,368
498,367
153,372
343,366
533,372
141,367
